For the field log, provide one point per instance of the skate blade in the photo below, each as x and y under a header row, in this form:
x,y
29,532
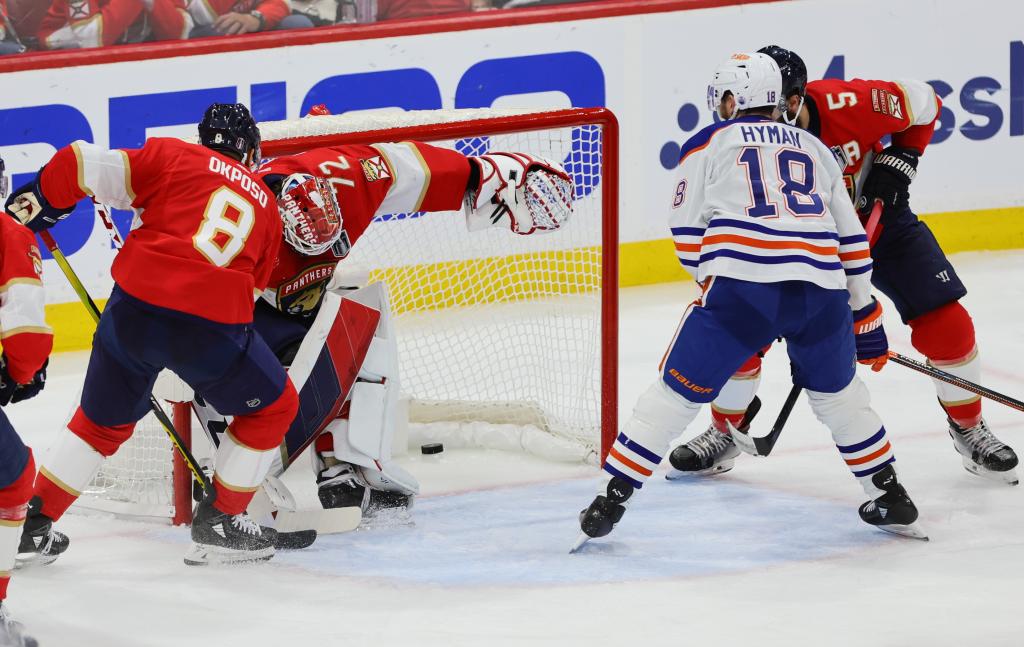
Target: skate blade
x,y
206,555
912,530
579,543
1008,477
678,475
32,560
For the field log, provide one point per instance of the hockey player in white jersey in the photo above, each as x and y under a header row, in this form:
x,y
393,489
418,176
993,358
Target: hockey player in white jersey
x,y
761,216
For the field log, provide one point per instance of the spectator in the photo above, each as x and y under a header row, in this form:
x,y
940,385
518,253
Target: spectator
x,y
9,43
395,9
70,24
228,17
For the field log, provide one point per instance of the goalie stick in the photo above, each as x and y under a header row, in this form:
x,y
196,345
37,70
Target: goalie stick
x,y
289,539
762,446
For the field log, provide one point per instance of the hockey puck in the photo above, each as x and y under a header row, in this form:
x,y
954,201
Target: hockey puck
x,y
431,448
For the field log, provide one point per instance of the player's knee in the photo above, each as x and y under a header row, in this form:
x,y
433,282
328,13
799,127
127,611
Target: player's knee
x,y
18,490
944,334
105,439
265,429
751,367
836,410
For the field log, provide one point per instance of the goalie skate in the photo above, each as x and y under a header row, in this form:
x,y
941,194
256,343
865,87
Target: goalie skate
x,y
984,454
221,538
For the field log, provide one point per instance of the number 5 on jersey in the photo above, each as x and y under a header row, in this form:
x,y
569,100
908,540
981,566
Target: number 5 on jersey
x,y
220,238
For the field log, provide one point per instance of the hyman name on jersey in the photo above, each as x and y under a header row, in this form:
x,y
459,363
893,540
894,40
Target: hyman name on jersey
x,y
770,134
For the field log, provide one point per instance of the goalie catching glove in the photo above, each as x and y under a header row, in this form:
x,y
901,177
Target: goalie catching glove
x,y
518,191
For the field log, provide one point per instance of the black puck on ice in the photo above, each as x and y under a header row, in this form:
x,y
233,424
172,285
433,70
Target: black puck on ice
x,y
431,448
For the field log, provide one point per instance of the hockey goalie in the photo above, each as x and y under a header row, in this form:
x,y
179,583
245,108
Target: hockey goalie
x,y
335,335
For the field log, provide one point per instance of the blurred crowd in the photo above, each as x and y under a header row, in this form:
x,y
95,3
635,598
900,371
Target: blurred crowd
x,y
72,24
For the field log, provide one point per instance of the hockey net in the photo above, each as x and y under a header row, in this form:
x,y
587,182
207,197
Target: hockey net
x,y
505,341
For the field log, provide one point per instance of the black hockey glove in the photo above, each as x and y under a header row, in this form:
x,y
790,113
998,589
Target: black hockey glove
x,y
32,389
7,383
29,206
889,181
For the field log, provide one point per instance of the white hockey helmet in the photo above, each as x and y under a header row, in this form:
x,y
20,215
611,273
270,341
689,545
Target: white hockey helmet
x,y
753,79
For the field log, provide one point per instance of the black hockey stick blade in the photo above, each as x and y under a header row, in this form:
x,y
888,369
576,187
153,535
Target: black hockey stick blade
x,y
763,445
296,540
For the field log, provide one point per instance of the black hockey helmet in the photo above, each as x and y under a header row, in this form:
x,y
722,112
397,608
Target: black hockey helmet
x,y
794,72
230,129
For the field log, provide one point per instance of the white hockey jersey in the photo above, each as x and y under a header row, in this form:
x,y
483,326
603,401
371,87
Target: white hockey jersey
x,y
762,201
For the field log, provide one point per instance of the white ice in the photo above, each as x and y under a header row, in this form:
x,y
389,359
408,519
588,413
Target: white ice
x,y
772,553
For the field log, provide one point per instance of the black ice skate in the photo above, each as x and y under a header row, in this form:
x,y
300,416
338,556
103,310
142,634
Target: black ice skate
x,y
12,634
339,486
221,538
892,510
606,511
712,452
40,543
984,454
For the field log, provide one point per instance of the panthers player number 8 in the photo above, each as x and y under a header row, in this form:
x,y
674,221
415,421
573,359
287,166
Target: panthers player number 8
x,y
216,221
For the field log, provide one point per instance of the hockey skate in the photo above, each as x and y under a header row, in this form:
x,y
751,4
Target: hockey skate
x,y
712,452
40,543
12,634
892,510
221,538
606,511
984,454
340,486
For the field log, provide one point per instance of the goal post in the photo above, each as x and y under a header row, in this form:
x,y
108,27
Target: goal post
x,y
499,335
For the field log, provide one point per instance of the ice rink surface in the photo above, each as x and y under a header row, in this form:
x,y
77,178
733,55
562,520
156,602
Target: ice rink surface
x,y
772,553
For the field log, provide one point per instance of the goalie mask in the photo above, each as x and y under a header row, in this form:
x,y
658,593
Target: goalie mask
x,y
310,212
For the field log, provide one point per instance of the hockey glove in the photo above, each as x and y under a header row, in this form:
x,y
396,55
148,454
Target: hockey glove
x,y
32,389
518,191
869,335
892,171
29,206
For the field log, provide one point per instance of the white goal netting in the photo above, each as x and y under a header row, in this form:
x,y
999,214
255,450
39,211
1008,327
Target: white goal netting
x,y
493,328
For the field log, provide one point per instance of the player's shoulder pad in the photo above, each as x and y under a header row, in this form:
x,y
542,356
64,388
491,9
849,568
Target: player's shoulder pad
x,y
701,139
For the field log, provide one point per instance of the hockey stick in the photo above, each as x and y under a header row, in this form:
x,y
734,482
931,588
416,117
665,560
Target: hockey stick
x,y
762,446
960,382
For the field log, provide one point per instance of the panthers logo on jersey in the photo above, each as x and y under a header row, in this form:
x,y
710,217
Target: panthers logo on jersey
x,y
301,294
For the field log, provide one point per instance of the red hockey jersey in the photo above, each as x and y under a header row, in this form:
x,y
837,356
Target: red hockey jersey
x,y
206,230
369,181
93,23
26,338
855,115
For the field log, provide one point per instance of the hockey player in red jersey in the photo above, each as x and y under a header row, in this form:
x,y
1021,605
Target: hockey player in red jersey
x,y
27,342
353,455
183,299
852,117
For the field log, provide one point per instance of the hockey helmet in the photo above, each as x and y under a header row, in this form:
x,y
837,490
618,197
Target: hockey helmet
x,y
794,76
310,212
753,79
230,129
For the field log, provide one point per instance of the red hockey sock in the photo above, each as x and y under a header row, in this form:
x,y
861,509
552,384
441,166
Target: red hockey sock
x,y
946,337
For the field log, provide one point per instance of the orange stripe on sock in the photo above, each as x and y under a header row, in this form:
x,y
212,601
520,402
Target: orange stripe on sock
x,y
630,464
870,457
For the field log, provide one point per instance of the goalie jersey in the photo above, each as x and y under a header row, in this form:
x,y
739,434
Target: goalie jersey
x,y
761,201
369,181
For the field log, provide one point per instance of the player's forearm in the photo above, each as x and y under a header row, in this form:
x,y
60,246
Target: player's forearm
x,y
84,169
